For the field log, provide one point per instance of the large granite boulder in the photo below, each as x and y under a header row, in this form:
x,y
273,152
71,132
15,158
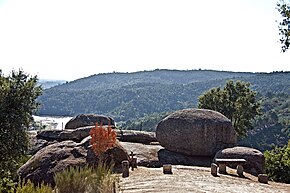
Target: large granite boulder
x,y
84,120
196,132
255,160
54,158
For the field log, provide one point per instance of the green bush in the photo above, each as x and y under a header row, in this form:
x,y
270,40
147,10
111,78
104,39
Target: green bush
x,y
278,163
102,180
73,179
6,181
86,179
30,188
6,184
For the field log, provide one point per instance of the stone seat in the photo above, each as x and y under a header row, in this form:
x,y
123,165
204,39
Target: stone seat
x,y
230,161
222,163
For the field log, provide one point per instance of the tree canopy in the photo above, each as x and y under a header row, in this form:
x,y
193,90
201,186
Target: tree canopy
x,y
236,101
18,93
284,24
278,163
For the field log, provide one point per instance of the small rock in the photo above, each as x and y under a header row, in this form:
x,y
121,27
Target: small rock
x,y
213,169
167,169
263,178
240,170
125,168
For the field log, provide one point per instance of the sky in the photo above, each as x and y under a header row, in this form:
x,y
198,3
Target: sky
x,y
70,39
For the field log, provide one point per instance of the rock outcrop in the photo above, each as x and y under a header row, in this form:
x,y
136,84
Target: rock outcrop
x,y
147,155
136,136
54,158
255,160
77,134
84,120
196,132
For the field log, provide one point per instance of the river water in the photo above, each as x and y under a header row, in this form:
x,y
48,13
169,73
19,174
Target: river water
x,y
50,122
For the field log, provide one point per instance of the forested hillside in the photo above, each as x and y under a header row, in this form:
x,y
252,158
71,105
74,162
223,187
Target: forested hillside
x,y
127,96
271,128
140,100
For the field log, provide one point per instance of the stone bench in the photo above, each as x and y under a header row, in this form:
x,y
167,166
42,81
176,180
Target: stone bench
x,y
222,163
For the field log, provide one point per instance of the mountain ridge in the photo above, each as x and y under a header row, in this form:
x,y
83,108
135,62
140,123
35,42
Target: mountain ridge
x,y
116,79
126,96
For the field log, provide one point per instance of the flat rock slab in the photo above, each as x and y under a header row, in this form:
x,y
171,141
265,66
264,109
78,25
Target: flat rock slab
x,y
195,179
147,155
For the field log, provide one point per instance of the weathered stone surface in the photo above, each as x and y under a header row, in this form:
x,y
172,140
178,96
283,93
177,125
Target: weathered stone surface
x,y
84,120
54,158
174,158
116,154
255,160
147,155
196,132
77,134
136,136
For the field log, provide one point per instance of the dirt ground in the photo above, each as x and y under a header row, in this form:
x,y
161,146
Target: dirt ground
x,y
195,179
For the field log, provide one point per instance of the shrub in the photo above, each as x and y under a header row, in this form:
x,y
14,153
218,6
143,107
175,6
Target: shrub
x,y
278,163
30,188
73,179
102,139
6,184
102,180
86,179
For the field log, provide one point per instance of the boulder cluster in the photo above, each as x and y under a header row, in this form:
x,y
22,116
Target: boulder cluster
x,y
199,136
185,137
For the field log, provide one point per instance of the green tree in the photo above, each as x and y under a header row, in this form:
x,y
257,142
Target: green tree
x,y
18,93
236,101
278,163
284,24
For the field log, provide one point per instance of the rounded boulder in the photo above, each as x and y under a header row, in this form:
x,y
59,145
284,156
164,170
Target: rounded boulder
x,y
255,160
84,120
196,132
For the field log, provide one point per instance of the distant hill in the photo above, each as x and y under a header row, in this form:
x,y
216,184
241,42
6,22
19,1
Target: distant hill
x,y
50,83
168,77
126,96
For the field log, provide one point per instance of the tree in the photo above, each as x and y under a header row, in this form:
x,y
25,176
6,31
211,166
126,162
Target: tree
x,y
284,24
236,101
278,163
18,93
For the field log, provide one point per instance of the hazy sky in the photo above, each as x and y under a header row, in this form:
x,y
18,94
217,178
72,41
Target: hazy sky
x,y
69,39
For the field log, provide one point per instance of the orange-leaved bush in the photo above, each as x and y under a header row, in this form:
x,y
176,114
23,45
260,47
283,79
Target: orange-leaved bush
x,y
103,138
